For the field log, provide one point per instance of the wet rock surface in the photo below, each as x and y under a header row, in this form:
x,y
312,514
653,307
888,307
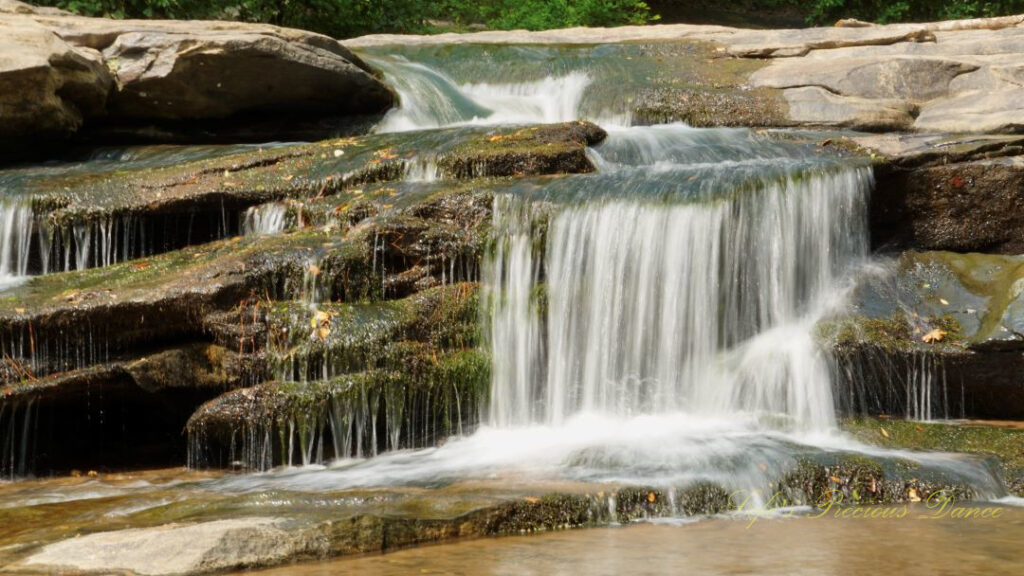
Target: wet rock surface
x,y
178,539
934,335
385,257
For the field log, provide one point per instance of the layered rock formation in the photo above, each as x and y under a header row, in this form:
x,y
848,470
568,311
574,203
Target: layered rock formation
x,y
165,80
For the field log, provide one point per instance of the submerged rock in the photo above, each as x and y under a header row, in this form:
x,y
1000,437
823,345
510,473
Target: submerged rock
x,y
360,522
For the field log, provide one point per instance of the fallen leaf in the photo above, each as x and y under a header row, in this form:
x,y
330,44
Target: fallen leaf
x,y
944,301
883,431
935,335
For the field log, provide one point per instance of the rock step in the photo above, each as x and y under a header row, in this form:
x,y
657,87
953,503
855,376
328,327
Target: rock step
x,y
156,203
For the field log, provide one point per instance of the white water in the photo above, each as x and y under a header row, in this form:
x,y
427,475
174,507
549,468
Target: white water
x,y
265,219
430,99
16,222
657,339
702,307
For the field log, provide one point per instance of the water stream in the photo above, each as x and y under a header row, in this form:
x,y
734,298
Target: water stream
x,y
650,323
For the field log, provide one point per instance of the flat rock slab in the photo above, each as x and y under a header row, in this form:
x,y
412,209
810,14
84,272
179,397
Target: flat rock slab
x,y
177,549
956,76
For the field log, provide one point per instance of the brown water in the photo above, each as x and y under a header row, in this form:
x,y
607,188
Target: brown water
x,y
796,546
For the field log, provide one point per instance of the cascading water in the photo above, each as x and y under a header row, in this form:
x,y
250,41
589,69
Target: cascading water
x,y
694,305
430,99
267,219
16,222
649,323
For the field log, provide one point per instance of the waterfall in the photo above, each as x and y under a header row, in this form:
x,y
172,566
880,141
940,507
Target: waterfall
x,y
265,219
430,99
16,223
702,307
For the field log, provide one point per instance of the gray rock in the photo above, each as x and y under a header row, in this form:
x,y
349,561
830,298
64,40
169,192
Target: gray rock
x,y
180,549
815,105
910,79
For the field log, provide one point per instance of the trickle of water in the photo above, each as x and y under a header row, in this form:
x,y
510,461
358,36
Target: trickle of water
x,y
16,223
265,219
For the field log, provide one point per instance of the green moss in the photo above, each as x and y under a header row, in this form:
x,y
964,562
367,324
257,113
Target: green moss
x,y
892,333
1004,443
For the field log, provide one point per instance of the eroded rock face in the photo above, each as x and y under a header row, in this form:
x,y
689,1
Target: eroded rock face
x,y
939,192
63,73
49,87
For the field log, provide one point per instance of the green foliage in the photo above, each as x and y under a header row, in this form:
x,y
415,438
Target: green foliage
x,y
827,12
346,18
885,11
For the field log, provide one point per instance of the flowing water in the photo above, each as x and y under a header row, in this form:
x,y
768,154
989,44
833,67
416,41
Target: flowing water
x,y
922,543
651,323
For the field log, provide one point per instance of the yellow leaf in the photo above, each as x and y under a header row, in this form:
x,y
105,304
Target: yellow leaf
x,y
944,301
19,310
651,497
884,432
321,317
935,335
531,499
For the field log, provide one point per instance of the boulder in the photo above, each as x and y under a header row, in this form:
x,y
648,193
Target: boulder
x,y
174,76
49,87
150,79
